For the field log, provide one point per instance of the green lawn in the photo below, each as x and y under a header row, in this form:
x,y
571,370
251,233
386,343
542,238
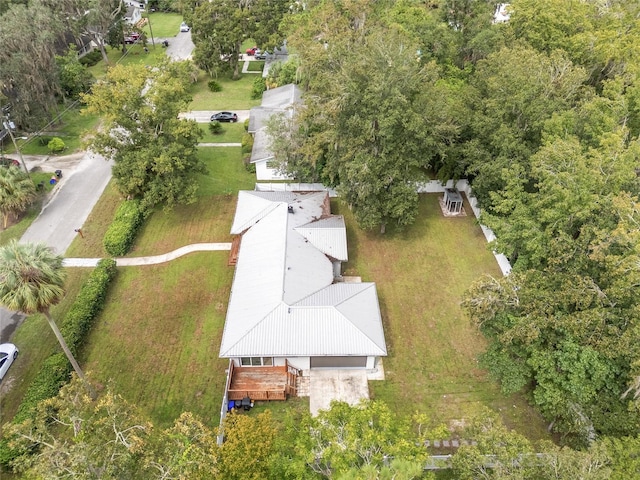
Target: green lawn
x,y
163,24
235,94
158,338
71,128
256,66
421,274
231,133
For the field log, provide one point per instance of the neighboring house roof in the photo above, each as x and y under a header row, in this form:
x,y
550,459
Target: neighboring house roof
x,y
276,100
132,14
283,301
261,146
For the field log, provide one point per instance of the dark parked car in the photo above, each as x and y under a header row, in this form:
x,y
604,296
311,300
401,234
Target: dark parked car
x,y
224,117
133,37
8,162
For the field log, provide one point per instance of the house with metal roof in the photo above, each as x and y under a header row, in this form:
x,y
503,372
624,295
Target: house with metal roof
x,y
281,100
289,304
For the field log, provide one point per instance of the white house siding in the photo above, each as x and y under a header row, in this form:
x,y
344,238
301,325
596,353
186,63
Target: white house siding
x,y
263,172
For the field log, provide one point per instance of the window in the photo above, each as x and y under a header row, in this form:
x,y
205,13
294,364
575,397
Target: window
x,y
256,361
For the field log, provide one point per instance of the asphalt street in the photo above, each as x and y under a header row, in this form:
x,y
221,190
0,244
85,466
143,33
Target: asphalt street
x,y
68,207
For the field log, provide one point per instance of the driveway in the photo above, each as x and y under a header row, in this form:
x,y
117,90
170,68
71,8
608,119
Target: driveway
x,y
326,385
204,116
180,47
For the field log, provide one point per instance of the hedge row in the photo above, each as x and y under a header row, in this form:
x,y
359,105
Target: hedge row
x,y
124,228
56,369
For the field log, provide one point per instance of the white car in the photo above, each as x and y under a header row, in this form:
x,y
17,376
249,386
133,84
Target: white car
x,y
184,27
8,353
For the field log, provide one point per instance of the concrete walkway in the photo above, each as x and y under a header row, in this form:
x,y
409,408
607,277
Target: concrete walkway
x,y
153,260
219,144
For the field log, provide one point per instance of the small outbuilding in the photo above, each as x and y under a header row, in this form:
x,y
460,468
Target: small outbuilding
x,y
452,200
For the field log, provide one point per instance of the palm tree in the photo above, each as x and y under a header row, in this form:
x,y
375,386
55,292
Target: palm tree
x,y
16,192
31,281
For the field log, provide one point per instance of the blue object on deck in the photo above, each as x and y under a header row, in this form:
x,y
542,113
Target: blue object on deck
x,y
232,404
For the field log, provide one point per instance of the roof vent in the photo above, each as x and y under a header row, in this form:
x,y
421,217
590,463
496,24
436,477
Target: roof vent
x,y
290,209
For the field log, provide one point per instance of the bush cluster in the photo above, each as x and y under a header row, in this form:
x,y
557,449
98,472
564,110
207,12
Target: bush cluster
x,y
56,369
124,228
91,58
259,86
214,86
56,145
247,143
215,128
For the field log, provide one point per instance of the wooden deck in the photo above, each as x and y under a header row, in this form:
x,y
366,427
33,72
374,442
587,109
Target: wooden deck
x,y
262,383
235,248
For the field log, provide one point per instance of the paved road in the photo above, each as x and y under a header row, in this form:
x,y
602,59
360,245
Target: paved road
x,y
67,209
72,201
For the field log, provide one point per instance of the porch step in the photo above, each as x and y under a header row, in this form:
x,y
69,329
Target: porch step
x,y
303,385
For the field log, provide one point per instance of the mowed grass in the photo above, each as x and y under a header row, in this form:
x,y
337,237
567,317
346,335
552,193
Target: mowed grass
x,y
163,24
158,339
231,133
235,94
71,128
421,275
134,55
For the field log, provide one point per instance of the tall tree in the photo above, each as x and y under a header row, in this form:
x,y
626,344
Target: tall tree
x,y
93,18
16,192
80,438
31,281
219,27
346,439
247,447
155,152
28,77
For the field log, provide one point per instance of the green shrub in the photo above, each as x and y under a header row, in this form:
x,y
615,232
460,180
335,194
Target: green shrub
x,y
259,86
215,128
214,86
91,58
123,230
247,143
246,125
56,145
250,167
88,304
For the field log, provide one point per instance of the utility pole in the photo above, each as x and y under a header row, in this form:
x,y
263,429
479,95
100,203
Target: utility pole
x,y
8,124
146,4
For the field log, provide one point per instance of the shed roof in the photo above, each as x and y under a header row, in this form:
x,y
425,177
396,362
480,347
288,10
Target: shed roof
x,y
283,300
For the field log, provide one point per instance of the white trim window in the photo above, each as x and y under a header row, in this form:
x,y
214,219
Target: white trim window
x,y
256,361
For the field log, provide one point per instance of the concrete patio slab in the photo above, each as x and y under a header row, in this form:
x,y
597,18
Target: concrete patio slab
x,y
336,384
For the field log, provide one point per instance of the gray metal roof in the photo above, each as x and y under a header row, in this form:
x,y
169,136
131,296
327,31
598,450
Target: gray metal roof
x,y
329,235
281,97
283,301
261,146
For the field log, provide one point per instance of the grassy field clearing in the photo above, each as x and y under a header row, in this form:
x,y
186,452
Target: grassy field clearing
x,y
421,274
